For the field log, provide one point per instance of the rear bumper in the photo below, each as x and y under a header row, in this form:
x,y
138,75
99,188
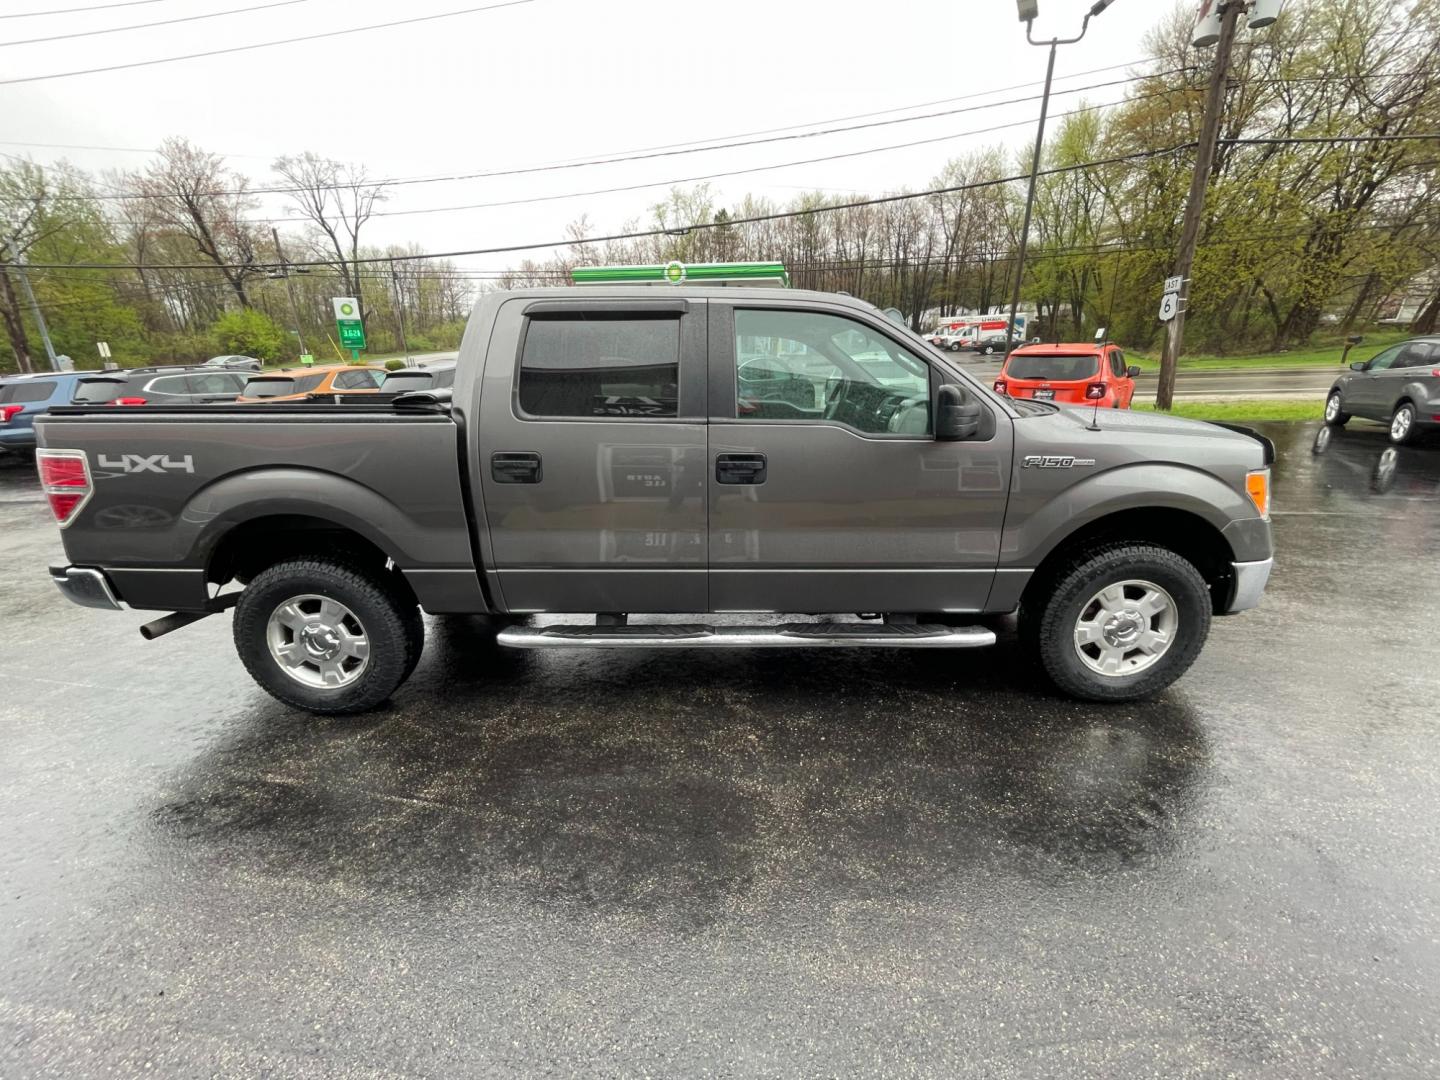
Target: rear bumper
x,y
85,586
1250,581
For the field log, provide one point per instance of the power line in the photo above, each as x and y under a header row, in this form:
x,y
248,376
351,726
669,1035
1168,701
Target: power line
x,y
266,44
678,230
161,22
612,160
69,11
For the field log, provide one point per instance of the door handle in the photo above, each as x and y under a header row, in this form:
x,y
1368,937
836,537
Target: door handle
x,y
516,468
740,468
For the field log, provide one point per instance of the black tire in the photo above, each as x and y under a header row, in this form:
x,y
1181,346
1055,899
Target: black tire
x,y
390,620
1406,434
1048,625
1340,417
989,350
955,346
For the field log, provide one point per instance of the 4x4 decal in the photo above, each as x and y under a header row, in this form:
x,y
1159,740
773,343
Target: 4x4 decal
x,y
139,463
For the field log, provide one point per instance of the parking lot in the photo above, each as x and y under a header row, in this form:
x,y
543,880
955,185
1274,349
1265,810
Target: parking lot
x,y
742,864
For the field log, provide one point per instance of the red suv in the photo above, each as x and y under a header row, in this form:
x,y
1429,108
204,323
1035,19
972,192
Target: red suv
x,y
1070,374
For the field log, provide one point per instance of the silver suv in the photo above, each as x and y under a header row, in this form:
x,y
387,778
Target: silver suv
x,y
1399,386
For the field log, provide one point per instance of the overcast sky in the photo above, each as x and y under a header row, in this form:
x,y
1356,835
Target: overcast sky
x,y
551,81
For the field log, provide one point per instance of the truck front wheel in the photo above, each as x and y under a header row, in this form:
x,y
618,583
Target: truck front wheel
x,y
327,635
1120,623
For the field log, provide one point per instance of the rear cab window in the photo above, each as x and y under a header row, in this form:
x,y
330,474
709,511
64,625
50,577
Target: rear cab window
x,y
403,382
598,364
1053,367
26,391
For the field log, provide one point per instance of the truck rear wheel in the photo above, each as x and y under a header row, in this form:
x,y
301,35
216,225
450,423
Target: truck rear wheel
x,y
326,635
1120,623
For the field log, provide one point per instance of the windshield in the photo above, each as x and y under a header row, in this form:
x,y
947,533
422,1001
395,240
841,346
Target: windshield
x,y
98,391
402,382
1053,367
268,388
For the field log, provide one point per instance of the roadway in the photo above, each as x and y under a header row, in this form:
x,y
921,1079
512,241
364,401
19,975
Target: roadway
x,y
1279,383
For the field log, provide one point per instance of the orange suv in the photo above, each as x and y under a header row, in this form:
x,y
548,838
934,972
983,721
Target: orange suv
x,y
299,384
1070,375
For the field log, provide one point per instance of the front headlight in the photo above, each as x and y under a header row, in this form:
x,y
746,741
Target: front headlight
x,y
1257,486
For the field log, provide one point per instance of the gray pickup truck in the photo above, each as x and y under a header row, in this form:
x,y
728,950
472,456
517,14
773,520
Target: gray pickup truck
x,y
624,451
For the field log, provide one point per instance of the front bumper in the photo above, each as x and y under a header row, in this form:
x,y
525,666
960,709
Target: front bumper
x,y
86,587
1250,581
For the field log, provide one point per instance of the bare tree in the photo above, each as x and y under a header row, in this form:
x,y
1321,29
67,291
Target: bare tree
x,y
190,191
338,200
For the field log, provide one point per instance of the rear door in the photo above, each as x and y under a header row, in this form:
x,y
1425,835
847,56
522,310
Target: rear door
x,y
827,491
591,455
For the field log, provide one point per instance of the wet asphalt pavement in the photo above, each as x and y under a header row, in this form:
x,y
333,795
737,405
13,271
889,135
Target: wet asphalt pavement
x,y
762,864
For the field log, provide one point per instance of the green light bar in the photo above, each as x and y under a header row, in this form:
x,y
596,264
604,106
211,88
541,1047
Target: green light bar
x,y
677,273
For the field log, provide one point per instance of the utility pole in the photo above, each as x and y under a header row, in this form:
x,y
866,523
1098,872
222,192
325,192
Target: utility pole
x,y
289,287
19,269
1231,10
399,310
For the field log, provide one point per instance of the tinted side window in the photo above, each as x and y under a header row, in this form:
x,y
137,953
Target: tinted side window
x,y
591,365
216,382
1386,360
1117,363
169,384
1418,354
443,379
26,390
307,383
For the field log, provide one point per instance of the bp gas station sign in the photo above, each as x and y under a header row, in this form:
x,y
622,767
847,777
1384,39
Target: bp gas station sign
x,y
347,322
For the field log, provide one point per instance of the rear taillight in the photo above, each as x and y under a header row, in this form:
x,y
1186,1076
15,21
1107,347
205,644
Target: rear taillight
x,y
8,411
1001,387
65,478
1095,391
128,401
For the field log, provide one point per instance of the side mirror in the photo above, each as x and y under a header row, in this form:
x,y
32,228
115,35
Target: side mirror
x,y
956,416
1133,371
1359,365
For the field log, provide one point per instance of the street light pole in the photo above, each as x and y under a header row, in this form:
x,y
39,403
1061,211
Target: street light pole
x,y
1029,11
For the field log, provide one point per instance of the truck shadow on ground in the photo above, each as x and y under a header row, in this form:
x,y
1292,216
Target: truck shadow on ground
x,y
695,785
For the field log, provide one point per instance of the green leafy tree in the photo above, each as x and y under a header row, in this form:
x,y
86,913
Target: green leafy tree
x,y
249,333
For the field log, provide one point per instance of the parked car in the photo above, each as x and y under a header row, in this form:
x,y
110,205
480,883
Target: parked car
x,y
1399,386
990,344
950,341
158,386
439,375
24,397
601,454
1084,374
298,384
234,363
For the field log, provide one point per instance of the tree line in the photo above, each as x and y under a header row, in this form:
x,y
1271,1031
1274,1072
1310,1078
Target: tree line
x,y
1321,211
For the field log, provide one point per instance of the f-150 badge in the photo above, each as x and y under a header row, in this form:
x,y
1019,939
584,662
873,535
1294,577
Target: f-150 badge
x,y
1042,461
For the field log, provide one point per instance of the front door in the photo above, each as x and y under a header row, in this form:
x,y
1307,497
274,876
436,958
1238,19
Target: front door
x,y
827,491
1364,392
591,455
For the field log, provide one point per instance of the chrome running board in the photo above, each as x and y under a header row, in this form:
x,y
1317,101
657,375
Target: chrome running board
x,y
781,636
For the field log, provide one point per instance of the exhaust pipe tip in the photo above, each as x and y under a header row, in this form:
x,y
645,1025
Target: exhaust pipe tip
x,y
172,622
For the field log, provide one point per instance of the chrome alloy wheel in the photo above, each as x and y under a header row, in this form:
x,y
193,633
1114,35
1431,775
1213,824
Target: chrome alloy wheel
x,y
1126,627
317,641
1400,423
1332,408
